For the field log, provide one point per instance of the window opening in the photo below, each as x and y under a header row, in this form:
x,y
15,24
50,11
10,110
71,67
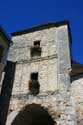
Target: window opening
x,y
34,76
36,49
37,43
34,85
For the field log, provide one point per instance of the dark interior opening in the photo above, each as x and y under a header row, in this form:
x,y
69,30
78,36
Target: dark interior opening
x,y
34,76
36,49
37,43
33,114
34,86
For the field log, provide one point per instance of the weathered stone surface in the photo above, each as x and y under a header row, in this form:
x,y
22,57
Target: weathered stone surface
x,y
58,105
77,93
53,67
46,65
21,51
64,63
63,49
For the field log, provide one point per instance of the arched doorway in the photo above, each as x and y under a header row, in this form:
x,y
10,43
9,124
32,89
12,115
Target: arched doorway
x,y
33,114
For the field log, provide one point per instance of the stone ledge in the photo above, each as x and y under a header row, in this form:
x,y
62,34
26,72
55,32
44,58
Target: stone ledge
x,y
37,59
27,95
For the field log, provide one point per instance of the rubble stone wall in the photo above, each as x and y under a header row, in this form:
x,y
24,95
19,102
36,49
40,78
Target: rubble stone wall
x,y
77,93
54,68
59,106
47,72
46,65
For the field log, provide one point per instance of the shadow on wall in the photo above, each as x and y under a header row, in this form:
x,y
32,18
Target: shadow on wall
x,y
33,114
6,90
76,77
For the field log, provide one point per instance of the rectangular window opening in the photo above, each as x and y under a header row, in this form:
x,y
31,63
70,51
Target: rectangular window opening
x,y
37,43
36,49
34,76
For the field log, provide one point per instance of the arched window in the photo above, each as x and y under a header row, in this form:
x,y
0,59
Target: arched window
x,y
1,53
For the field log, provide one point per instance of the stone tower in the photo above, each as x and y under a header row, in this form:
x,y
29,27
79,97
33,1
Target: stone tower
x,y
42,55
44,52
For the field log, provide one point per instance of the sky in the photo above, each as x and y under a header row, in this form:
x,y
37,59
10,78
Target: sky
x,y
17,15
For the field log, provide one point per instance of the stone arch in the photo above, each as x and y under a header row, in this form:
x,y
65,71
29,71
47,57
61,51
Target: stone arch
x,y
33,114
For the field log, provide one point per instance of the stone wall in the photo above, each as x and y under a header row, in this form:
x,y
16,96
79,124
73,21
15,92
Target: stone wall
x,y
59,106
46,65
47,72
54,68
64,60
20,51
54,64
77,93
